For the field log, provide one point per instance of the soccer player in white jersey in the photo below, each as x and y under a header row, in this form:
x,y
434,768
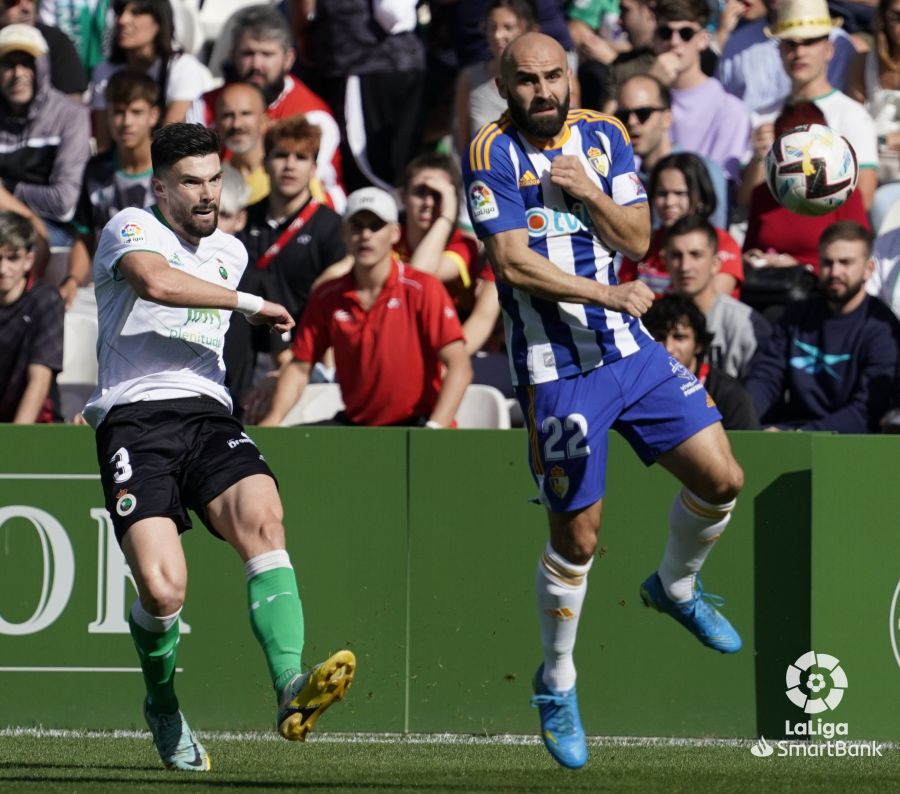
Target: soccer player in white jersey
x,y
553,194
165,280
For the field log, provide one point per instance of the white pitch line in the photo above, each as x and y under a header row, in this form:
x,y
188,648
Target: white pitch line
x,y
49,476
399,738
76,670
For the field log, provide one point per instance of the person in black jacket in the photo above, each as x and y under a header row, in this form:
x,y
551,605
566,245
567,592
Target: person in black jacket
x,y
831,363
677,323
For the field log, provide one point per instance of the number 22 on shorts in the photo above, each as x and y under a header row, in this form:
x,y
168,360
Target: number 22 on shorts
x,y
565,437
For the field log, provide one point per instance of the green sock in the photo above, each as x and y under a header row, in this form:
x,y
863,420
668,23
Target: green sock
x,y
276,617
157,653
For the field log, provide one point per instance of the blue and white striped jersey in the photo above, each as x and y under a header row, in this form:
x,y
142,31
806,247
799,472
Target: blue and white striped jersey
x,y
508,187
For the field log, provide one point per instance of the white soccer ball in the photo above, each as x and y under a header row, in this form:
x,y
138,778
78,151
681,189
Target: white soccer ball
x,y
811,169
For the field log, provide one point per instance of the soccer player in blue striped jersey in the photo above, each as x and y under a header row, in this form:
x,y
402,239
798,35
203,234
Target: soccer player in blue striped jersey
x,y
553,194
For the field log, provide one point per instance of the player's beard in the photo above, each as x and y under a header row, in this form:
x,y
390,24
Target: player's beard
x,y
541,128
184,218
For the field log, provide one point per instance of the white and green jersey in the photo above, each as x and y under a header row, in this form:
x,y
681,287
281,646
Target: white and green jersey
x,y
147,351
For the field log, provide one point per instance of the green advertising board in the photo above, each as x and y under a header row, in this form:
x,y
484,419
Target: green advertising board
x,y
418,549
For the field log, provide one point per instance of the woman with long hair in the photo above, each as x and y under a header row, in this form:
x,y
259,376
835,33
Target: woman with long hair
x,y
477,99
144,40
680,186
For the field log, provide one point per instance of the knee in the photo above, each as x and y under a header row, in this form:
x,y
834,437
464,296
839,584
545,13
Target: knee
x,y
725,485
163,594
270,533
576,544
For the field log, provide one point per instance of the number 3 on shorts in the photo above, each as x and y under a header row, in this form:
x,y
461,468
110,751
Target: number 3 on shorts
x,y
573,428
123,470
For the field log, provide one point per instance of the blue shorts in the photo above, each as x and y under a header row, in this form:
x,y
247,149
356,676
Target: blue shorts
x,y
648,397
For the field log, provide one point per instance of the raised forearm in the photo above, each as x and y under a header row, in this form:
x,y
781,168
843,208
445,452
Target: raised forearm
x,y
625,229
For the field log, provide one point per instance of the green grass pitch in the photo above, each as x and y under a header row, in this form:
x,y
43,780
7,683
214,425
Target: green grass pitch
x,y
128,763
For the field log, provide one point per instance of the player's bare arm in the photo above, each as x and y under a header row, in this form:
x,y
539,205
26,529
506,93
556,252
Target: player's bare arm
x,y
457,378
155,280
292,380
523,269
625,229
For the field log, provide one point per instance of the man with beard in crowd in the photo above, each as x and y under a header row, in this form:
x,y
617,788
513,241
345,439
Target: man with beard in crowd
x,y
831,363
262,53
553,194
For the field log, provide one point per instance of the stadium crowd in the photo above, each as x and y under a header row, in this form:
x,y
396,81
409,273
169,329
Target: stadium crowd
x,y
342,125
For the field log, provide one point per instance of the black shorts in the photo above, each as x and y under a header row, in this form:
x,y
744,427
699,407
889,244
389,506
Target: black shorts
x,y
158,458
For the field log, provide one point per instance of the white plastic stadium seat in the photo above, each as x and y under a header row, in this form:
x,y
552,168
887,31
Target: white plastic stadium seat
x,y
319,401
483,406
891,219
79,373
79,349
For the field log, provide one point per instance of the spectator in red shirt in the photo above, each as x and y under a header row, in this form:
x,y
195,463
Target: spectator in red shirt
x,y
262,53
431,242
398,346
680,186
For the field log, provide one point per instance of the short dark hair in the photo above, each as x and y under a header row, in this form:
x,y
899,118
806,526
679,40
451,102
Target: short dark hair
x,y
847,230
436,160
694,223
683,11
176,141
16,231
673,310
129,85
701,193
261,22
297,129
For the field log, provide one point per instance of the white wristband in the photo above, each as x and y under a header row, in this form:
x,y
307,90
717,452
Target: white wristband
x,y
434,425
249,304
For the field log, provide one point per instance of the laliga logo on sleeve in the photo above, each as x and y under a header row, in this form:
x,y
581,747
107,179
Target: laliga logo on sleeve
x,y
821,676
482,202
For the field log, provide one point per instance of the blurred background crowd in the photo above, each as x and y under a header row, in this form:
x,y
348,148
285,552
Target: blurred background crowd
x,y
790,321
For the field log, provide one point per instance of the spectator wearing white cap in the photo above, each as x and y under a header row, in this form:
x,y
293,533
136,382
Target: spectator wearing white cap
x,y
398,346
66,70
44,135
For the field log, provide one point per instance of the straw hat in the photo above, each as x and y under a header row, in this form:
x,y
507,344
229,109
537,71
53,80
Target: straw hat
x,y
803,19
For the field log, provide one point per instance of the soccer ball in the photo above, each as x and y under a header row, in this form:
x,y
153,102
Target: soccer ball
x,y
811,169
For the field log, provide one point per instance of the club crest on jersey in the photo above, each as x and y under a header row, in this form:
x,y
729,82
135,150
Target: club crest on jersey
x,y
598,160
559,482
482,202
528,179
131,233
125,503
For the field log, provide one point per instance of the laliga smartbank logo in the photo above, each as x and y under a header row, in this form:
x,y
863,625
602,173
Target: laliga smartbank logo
x,y
816,683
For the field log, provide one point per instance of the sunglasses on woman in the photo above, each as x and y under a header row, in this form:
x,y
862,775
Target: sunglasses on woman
x,y
665,32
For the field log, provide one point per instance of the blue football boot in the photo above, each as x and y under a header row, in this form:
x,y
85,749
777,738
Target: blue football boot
x,y
560,723
699,615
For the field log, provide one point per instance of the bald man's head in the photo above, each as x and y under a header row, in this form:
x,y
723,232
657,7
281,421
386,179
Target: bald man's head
x,y
534,80
240,117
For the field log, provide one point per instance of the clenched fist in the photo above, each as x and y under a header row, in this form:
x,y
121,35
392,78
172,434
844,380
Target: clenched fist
x,y
567,172
633,298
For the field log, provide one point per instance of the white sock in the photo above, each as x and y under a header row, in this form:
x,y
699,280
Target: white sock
x,y
694,527
158,624
267,561
561,586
